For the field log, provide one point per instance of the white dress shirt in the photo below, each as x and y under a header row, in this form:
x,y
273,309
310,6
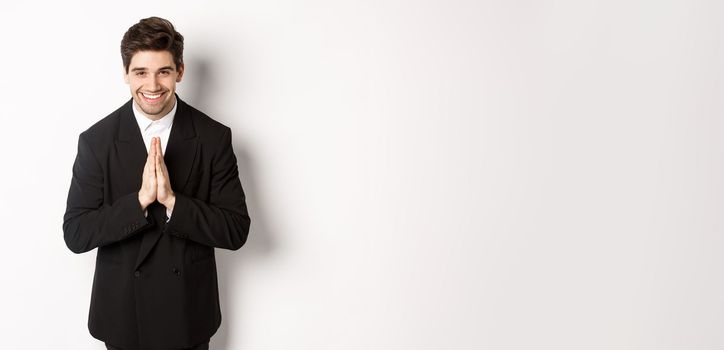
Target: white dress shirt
x,y
155,128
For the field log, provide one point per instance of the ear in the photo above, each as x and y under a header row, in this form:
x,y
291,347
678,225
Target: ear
x,y
180,70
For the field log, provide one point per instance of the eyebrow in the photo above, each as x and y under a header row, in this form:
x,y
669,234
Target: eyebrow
x,y
144,68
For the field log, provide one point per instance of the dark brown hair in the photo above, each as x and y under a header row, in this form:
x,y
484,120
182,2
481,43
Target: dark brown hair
x,y
154,34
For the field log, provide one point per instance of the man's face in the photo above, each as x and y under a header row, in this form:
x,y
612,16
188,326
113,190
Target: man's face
x,y
152,76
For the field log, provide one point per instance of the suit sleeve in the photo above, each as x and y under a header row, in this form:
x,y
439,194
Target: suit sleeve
x,y
89,222
224,221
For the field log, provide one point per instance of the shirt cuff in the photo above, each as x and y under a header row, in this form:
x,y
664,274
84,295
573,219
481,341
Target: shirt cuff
x,y
168,214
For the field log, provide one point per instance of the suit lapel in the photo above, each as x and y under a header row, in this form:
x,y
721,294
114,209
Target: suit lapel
x,y
181,152
182,148
130,147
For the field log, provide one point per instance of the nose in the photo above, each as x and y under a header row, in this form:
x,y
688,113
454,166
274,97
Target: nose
x,y
153,83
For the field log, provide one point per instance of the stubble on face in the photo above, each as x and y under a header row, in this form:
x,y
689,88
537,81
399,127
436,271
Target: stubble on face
x,y
156,109
152,76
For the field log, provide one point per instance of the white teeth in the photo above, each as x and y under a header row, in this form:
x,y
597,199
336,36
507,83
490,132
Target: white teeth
x,y
151,96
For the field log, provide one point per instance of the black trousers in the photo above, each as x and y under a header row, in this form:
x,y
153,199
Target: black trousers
x,y
202,346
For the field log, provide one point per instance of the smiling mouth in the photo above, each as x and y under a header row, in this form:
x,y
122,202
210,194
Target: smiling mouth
x,y
152,98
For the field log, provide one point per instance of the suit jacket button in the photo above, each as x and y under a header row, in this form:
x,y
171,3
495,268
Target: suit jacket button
x,y
174,270
137,273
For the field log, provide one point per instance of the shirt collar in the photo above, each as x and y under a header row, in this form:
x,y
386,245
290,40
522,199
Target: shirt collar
x,y
144,122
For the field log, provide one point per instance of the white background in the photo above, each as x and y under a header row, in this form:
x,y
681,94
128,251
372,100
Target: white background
x,y
419,174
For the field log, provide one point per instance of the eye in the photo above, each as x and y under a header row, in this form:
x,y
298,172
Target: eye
x,y
140,74
165,72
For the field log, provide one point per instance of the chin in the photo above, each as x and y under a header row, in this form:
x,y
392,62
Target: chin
x,y
152,109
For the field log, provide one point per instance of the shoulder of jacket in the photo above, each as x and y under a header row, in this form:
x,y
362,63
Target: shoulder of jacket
x,y
206,126
104,129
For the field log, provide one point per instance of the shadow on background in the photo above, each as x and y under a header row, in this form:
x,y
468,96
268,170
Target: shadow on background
x,y
259,243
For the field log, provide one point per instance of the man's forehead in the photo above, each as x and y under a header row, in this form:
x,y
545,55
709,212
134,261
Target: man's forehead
x,y
152,60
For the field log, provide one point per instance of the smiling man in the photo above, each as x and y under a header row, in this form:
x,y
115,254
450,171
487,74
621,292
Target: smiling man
x,y
156,189
153,87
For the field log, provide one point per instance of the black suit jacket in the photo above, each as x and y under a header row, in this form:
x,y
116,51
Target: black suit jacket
x,y
155,283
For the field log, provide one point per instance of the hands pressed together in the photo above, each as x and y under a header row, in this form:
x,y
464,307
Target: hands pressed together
x,y
156,184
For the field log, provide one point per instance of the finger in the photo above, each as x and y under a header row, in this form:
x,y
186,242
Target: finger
x,y
161,163
152,162
159,149
149,162
164,170
149,158
152,182
158,165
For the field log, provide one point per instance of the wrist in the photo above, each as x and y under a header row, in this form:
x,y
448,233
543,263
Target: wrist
x,y
144,204
170,202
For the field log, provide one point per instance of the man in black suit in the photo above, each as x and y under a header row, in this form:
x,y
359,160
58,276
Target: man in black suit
x,y
155,188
